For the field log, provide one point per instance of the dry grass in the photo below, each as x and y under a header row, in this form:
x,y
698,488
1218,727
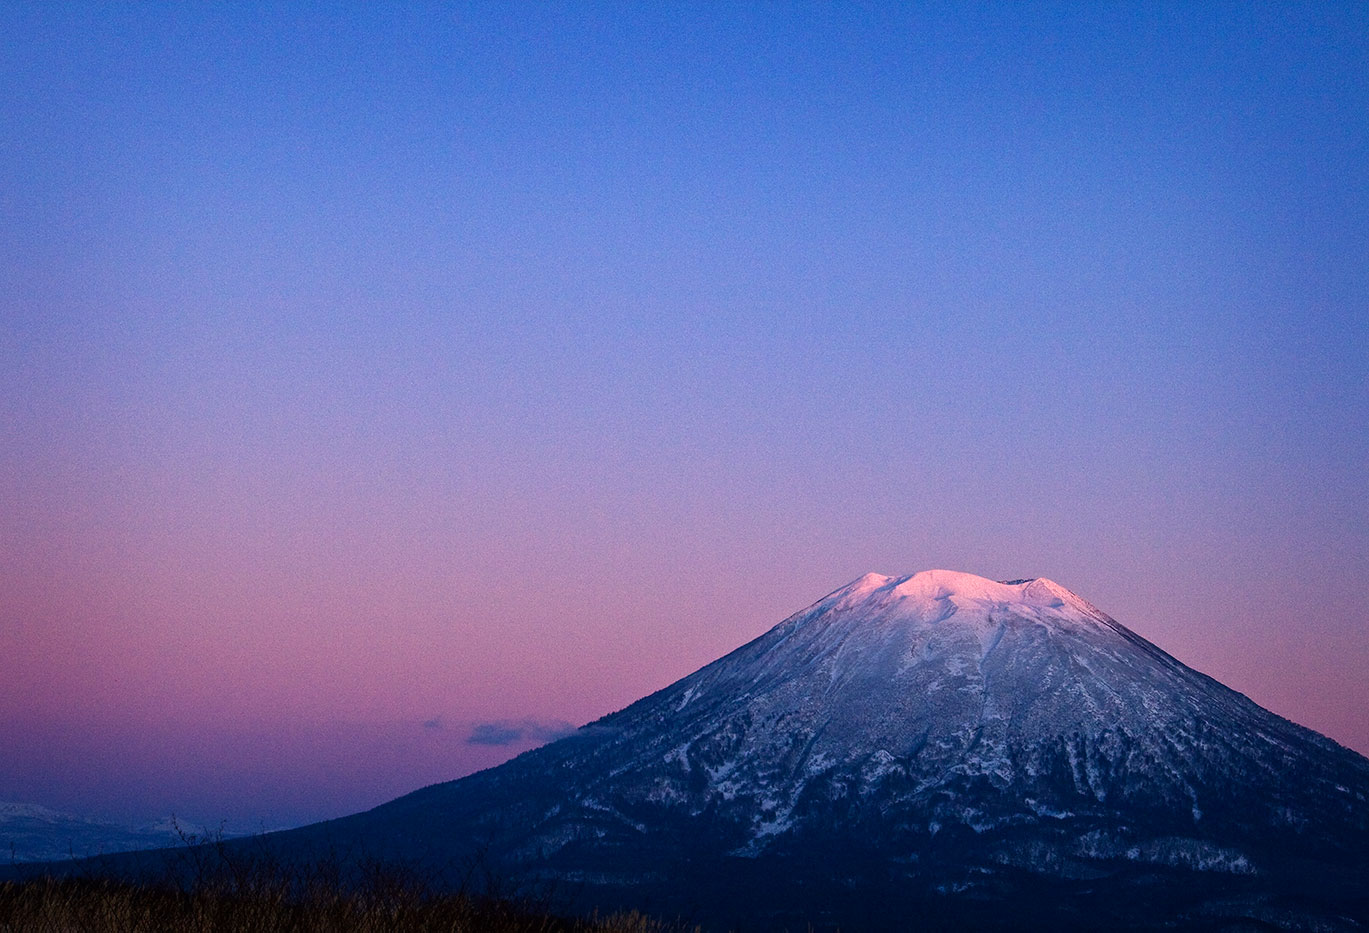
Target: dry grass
x,y
218,894
97,906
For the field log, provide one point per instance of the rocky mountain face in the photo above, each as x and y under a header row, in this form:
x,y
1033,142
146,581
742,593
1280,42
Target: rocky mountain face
x,y
936,751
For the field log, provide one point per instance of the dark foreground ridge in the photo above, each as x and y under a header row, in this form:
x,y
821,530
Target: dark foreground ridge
x,y
936,751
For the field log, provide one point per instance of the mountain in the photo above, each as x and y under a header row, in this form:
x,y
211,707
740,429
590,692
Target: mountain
x,y
30,833
934,751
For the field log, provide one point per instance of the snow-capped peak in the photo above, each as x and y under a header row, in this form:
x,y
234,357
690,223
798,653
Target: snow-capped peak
x,y
927,589
937,732
950,584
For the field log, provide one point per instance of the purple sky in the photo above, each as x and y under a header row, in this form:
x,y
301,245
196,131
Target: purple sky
x,y
374,380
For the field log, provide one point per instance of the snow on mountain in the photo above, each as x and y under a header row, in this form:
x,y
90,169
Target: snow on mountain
x,y
958,701
936,746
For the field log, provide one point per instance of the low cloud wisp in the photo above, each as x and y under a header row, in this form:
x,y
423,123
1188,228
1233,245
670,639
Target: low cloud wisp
x,y
507,732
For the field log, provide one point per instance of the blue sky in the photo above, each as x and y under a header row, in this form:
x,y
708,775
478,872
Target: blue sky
x,y
492,363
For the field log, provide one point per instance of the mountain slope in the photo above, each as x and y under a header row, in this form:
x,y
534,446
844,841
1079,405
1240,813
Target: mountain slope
x,y
937,748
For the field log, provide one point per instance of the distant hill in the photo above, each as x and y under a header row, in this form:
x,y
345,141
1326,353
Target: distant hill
x,y
31,833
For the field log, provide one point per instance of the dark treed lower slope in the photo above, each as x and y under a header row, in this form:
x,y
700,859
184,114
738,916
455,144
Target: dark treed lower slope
x,y
938,750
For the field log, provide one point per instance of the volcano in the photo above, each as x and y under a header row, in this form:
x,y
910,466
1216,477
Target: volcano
x,y
928,751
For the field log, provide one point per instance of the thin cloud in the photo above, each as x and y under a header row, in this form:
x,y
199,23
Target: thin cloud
x,y
507,732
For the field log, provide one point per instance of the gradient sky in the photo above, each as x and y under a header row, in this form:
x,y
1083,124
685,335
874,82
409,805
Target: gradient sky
x,y
377,378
